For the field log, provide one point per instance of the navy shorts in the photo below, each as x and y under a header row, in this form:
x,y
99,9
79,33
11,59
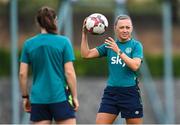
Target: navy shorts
x,y
56,111
126,100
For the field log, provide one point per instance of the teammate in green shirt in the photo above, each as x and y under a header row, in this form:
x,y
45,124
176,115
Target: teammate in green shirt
x,y
51,57
124,57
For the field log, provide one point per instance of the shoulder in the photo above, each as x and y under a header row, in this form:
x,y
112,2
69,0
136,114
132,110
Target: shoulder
x,y
136,42
29,40
61,37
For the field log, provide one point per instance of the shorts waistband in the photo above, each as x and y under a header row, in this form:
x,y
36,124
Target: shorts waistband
x,y
119,88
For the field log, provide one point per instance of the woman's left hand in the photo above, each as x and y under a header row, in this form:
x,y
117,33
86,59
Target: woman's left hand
x,y
76,104
111,44
26,105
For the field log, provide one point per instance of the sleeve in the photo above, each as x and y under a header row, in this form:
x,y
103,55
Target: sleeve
x,y
68,52
102,50
138,51
24,54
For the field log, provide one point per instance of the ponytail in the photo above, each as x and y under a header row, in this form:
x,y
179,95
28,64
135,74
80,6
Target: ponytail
x,y
46,19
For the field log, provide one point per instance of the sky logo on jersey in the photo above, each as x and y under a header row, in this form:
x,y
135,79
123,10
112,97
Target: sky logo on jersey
x,y
117,60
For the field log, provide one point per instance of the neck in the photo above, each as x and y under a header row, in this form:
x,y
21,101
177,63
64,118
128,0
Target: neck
x,y
124,40
43,31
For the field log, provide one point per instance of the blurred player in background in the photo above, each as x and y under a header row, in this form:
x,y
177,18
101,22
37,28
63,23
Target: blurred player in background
x,y
51,57
124,57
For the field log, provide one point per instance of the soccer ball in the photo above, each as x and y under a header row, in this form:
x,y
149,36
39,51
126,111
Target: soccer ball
x,y
96,23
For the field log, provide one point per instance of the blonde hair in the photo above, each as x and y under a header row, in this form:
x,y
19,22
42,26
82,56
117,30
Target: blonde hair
x,y
121,17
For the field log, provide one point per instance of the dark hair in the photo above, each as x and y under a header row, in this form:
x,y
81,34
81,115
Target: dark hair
x,y
121,17
46,19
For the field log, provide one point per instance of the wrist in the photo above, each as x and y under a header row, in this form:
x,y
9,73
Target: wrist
x,y
84,31
25,96
74,96
119,52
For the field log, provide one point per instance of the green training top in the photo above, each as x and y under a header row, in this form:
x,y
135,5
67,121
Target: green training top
x,y
47,54
119,73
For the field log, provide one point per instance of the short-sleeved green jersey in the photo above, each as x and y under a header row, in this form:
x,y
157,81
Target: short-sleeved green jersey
x,y
47,54
119,73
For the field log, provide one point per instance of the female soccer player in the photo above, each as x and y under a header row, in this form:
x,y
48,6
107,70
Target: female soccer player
x,y
51,57
124,57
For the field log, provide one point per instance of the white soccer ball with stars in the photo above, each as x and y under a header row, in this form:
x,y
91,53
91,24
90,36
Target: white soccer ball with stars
x,y
96,23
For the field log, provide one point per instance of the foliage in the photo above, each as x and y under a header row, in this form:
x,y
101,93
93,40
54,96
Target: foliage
x,y
155,64
90,67
4,62
144,7
176,68
31,7
98,66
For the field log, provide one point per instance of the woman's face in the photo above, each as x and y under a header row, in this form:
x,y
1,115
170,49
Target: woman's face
x,y
123,29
